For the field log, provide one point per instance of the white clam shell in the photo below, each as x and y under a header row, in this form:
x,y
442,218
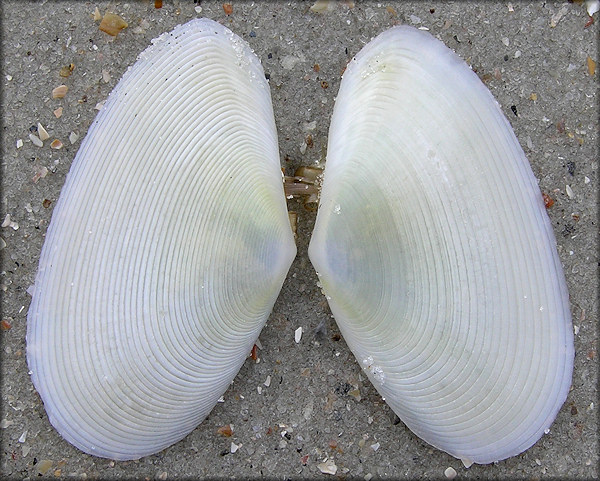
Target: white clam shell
x,y
437,256
166,251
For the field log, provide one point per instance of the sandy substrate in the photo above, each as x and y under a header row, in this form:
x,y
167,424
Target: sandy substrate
x,y
536,58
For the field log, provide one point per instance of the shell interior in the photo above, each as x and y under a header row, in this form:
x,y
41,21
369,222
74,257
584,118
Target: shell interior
x,y
436,254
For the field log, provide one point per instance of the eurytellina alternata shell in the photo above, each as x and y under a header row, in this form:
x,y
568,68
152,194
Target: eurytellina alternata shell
x,y
166,251
436,254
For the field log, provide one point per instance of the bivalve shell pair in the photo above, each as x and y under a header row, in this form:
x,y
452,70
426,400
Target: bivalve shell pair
x,y
170,242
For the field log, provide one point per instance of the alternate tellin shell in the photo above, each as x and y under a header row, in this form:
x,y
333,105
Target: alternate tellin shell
x,y
437,256
166,251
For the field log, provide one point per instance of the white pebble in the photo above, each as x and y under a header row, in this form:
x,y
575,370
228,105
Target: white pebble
x,y
375,446
298,335
23,437
267,383
20,144
73,137
506,41
450,472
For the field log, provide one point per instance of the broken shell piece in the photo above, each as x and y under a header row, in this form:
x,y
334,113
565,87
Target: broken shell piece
x,y
434,248
40,173
322,6
141,317
58,112
327,467
66,70
56,144
35,140
59,92
293,216
8,222
112,24
97,15
73,137
42,132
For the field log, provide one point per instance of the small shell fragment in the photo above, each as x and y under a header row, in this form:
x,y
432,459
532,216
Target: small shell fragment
x,y
8,222
35,140
298,334
43,466
19,143
59,92
321,6
40,173
58,112
56,144
226,430
112,24
327,467
66,70
73,137
42,132
591,65
569,191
